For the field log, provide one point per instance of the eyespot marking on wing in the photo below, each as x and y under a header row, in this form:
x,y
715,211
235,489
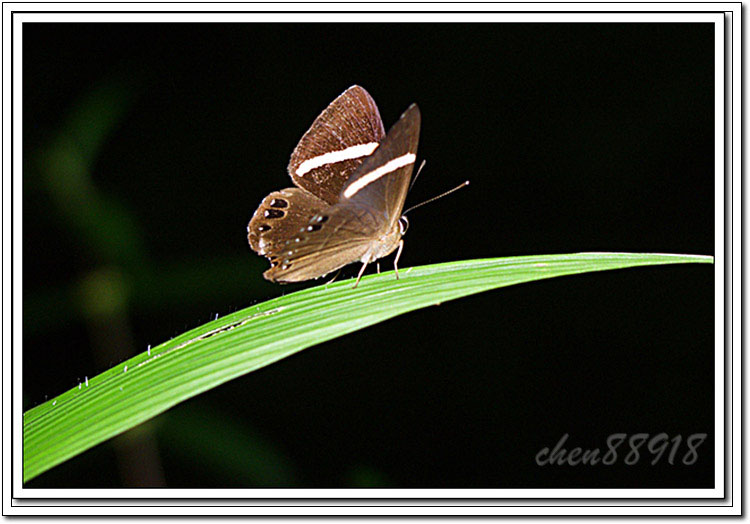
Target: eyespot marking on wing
x,y
273,213
278,202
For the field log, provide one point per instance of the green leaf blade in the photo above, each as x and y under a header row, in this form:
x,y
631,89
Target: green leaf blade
x,y
236,344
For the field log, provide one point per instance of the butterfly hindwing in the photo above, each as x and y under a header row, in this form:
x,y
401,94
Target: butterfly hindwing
x,y
279,217
340,138
330,240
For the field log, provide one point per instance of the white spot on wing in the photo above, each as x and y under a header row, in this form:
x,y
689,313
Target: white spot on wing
x,y
372,176
349,153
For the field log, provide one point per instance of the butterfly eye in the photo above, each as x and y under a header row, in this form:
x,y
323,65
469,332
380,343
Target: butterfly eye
x,y
403,224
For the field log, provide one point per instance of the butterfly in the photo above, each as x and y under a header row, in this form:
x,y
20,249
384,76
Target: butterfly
x,y
352,179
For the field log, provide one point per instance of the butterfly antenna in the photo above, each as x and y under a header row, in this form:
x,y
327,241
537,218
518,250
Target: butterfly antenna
x,y
417,175
436,197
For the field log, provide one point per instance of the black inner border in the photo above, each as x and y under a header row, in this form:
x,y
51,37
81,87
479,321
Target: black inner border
x,y
261,502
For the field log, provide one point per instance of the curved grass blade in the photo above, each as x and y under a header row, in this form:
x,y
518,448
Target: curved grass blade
x,y
219,351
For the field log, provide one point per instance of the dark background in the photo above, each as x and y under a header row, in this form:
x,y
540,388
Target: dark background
x,y
148,147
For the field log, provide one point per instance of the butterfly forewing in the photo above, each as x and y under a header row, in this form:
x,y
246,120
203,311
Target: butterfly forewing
x,y
380,184
343,135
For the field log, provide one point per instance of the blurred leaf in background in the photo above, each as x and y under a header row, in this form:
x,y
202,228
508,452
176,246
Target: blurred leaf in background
x,y
121,279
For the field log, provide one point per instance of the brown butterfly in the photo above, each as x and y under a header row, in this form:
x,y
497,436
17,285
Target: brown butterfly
x,y
352,181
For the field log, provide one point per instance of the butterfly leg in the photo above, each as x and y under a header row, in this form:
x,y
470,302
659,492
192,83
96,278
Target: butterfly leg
x,y
334,277
364,265
377,265
398,255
